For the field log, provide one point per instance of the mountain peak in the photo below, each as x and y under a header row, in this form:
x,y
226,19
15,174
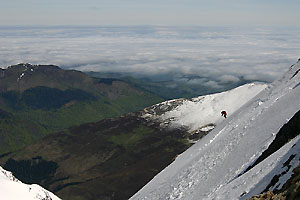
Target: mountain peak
x,y
24,76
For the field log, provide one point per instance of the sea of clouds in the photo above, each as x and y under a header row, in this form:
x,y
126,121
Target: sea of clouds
x,y
216,54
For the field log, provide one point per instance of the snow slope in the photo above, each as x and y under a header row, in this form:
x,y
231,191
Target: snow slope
x,y
207,109
203,112
255,181
13,189
210,169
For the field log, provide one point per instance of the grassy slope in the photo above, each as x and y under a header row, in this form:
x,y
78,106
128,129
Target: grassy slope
x,y
110,159
16,133
51,99
83,112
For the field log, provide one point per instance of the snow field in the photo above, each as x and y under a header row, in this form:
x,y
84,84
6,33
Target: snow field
x,y
205,110
210,168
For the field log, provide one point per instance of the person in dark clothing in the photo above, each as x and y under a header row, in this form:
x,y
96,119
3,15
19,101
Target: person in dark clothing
x,y
224,113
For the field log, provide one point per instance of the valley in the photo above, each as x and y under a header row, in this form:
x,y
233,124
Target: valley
x,y
113,158
51,99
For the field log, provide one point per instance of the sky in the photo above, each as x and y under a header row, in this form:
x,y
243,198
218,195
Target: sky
x,y
218,41
154,12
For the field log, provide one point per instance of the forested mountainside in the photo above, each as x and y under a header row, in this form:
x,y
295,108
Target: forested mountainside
x,y
36,100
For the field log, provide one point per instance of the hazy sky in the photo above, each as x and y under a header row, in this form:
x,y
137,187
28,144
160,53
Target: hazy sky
x,y
220,40
149,12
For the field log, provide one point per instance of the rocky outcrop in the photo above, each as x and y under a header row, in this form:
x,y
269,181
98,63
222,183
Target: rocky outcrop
x,y
290,190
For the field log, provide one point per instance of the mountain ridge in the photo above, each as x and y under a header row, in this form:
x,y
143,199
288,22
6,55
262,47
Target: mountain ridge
x,y
230,148
219,159
134,146
52,99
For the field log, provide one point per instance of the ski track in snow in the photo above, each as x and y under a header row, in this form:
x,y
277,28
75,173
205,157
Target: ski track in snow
x,y
213,164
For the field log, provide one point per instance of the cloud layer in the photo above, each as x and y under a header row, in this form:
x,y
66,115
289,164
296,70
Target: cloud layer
x,y
217,55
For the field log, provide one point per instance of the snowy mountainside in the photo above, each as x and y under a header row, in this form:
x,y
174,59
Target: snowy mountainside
x,y
254,182
12,189
202,113
214,167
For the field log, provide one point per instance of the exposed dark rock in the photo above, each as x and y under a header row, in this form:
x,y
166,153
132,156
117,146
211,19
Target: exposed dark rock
x,y
289,131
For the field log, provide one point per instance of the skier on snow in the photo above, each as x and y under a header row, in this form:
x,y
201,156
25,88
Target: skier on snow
x,y
224,113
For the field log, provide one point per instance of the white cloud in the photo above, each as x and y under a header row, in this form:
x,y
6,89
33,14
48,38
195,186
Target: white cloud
x,y
228,78
200,81
212,84
218,54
